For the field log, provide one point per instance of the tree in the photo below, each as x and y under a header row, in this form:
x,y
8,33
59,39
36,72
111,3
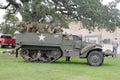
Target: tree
x,y
9,26
92,13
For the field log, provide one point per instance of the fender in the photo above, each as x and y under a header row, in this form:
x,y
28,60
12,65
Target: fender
x,y
89,48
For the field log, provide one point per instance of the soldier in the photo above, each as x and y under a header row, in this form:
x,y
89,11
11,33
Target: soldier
x,y
50,27
66,36
41,27
22,27
35,26
70,37
58,30
29,26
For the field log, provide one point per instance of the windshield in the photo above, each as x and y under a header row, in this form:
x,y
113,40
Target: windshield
x,y
4,36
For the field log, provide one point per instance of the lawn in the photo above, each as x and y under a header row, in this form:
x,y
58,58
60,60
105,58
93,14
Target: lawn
x,y
12,68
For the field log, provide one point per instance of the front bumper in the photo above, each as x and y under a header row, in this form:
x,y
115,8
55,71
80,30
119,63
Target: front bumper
x,y
108,52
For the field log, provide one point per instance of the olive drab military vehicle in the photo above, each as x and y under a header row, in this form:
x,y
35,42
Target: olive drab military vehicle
x,y
45,47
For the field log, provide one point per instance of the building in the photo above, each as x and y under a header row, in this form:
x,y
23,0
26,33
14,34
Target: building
x,y
76,28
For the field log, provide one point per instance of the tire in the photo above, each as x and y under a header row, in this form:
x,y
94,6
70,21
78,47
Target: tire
x,y
1,46
95,58
13,46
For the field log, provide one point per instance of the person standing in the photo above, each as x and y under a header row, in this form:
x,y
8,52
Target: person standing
x,y
115,44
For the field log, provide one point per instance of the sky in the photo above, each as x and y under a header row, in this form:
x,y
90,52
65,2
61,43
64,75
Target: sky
x,y
2,12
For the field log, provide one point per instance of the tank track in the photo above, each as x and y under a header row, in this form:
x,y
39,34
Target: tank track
x,y
41,54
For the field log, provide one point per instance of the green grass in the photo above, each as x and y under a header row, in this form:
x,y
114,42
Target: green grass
x,y
12,68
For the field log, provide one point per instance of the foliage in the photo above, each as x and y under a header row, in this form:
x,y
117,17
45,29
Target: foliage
x,y
92,13
11,19
9,26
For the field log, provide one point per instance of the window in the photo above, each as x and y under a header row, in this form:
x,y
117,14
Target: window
x,y
4,36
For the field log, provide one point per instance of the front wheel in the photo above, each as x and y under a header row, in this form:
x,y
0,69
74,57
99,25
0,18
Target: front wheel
x,y
95,58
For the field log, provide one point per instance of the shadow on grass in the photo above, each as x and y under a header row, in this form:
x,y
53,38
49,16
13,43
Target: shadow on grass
x,y
82,63
70,62
57,62
108,64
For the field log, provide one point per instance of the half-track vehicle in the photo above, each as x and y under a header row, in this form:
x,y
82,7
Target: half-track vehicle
x,y
45,47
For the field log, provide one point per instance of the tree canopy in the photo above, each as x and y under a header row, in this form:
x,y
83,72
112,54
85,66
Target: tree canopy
x,y
92,13
9,26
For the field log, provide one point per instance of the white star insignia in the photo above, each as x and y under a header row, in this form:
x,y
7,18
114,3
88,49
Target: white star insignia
x,y
41,37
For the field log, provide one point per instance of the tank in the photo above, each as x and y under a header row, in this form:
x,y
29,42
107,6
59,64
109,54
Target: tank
x,y
47,48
